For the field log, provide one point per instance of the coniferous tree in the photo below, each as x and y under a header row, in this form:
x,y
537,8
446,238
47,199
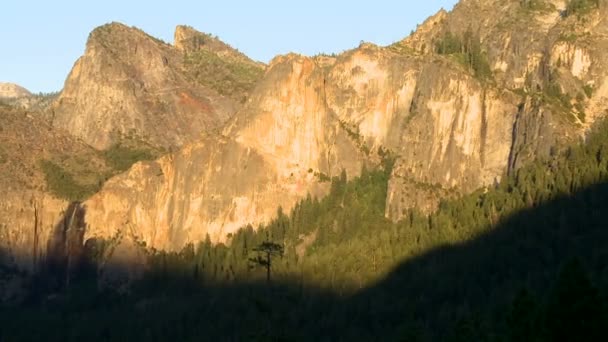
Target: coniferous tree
x,y
266,252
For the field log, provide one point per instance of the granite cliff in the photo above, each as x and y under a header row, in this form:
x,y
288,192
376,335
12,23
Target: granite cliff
x,y
469,97
129,84
524,81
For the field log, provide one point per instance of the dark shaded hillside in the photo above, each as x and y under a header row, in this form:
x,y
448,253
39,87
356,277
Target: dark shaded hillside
x,y
473,281
480,278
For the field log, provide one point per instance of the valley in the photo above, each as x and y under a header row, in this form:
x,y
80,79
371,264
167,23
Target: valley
x,y
448,186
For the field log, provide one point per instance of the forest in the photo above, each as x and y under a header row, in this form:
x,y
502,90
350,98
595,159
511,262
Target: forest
x,y
525,260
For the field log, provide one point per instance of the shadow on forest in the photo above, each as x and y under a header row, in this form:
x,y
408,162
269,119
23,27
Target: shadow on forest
x,y
430,292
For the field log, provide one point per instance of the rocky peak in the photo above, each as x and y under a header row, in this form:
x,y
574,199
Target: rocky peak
x,y
11,90
216,65
418,39
131,85
189,40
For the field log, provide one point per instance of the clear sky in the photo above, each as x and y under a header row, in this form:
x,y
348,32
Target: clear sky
x,y
42,39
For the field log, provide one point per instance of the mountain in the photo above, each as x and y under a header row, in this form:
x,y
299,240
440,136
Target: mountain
x,y
458,105
405,192
46,156
462,102
11,90
525,261
129,85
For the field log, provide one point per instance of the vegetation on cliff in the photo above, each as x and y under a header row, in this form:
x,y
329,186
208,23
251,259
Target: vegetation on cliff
x,y
467,50
581,7
229,77
70,178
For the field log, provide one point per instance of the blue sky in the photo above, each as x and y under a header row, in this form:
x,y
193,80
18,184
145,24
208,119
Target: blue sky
x,y
41,40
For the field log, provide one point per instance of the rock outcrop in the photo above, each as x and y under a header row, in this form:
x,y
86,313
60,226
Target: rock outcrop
x,y
11,90
129,84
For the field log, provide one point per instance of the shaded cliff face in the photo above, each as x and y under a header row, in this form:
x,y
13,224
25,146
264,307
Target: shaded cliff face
x,y
129,84
451,128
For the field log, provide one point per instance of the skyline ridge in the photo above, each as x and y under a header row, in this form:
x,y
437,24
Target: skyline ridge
x,y
271,29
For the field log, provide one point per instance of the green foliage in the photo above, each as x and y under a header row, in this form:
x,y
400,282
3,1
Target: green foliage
x,y
535,5
580,106
354,134
50,95
73,178
581,7
588,89
121,157
569,37
449,44
225,75
523,318
401,49
466,50
322,177
554,95
62,184
266,252
353,245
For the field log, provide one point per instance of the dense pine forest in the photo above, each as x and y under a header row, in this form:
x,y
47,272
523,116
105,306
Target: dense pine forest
x,y
526,260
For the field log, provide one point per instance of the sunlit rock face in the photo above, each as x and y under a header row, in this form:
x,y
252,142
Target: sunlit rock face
x,y
449,129
272,154
128,83
548,87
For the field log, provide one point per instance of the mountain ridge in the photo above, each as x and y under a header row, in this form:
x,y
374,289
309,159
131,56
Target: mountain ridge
x,y
129,83
450,130
457,106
